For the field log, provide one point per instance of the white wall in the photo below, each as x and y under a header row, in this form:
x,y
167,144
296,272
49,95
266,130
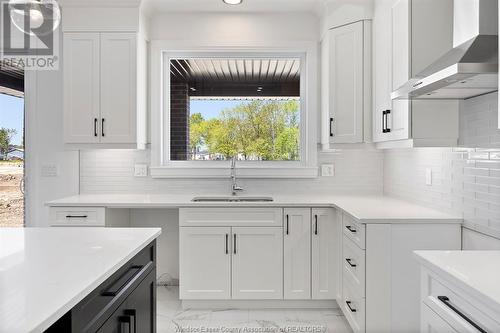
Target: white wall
x,y
44,146
464,180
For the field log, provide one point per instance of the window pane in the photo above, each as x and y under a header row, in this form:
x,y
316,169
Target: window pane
x,y
244,107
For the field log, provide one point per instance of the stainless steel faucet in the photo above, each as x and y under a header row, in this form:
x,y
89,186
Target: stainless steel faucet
x,y
234,187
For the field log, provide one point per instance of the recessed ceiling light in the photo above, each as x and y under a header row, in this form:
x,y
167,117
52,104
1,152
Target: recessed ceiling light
x,y
232,2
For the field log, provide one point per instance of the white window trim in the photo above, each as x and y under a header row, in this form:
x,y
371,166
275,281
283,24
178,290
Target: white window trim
x,y
161,167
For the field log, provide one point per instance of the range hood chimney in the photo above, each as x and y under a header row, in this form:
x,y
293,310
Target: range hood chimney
x,y
470,68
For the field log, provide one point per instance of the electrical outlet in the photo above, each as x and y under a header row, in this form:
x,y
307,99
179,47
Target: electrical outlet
x,y
327,170
49,170
428,176
140,170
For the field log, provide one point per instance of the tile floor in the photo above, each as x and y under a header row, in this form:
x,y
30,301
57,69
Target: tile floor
x,y
172,318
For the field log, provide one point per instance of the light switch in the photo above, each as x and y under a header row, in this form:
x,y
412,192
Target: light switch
x,y
49,170
140,170
327,170
428,176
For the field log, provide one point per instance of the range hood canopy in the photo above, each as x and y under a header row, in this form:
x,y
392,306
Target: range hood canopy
x,y
468,70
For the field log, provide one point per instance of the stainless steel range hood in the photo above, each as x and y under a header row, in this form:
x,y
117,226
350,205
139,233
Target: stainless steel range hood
x,y
469,69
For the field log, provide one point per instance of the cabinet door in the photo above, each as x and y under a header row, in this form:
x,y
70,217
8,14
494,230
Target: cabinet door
x,y
433,323
141,305
297,256
382,66
401,39
399,120
257,263
325,276
118,88
81,87
346,83
205,263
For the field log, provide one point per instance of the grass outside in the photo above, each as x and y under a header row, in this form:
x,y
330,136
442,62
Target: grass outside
x,y
11,198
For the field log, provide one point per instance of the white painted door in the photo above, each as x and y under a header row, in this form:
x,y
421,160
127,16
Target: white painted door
x,y
382,66
81,87
257,264
325,276
399,120
118,88
401,42
346,83
297,256
205,263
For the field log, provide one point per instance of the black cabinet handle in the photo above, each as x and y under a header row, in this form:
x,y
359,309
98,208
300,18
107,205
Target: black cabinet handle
x,y
95,126
118,285
349,261
331,126
386,128
384,123
132,315
446,301
125,324
76,216
287,226
227,240
348,303
315,224
350,228
102,127
234,243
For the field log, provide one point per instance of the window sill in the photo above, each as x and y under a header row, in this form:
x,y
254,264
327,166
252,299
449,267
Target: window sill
x,y
241,172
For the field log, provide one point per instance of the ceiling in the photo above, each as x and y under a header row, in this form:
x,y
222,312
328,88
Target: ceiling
x,y
246,6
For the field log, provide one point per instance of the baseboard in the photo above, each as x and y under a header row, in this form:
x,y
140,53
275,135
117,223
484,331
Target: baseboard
x,y
259,304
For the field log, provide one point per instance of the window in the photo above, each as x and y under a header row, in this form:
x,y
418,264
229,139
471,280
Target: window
x,y
247,107
211,101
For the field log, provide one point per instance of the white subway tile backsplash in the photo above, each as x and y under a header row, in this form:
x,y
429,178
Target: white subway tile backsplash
x,y
465,180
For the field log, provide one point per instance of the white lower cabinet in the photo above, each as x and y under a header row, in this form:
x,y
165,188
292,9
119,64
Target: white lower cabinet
x,y
297,259
205,263
324,247
380,284
297,253
257,263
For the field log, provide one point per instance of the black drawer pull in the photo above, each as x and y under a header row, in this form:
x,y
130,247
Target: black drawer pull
x,y
348,303
287,226
132,315
315,224
349,261
95,126
350,228
234,243
122,281
446,301
227,248
76,216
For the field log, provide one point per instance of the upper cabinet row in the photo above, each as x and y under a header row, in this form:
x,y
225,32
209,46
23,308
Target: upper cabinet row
x,y
360,72
104,102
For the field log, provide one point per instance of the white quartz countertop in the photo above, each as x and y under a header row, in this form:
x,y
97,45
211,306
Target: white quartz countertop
x,y
477,272
44,272
366,209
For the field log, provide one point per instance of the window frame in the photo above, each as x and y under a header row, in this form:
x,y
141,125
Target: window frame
x,y
163,167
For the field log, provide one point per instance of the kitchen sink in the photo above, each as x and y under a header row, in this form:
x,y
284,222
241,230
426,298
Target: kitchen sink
x,y
232,199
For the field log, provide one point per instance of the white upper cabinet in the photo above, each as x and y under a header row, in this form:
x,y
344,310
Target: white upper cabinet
x,y
81,87
101,91
118,87
297,256
409,36
346,92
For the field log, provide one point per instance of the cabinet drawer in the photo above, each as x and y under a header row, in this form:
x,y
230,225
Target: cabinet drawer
x,y
353,265
354,230
244,217
353,306
458,309
77,216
